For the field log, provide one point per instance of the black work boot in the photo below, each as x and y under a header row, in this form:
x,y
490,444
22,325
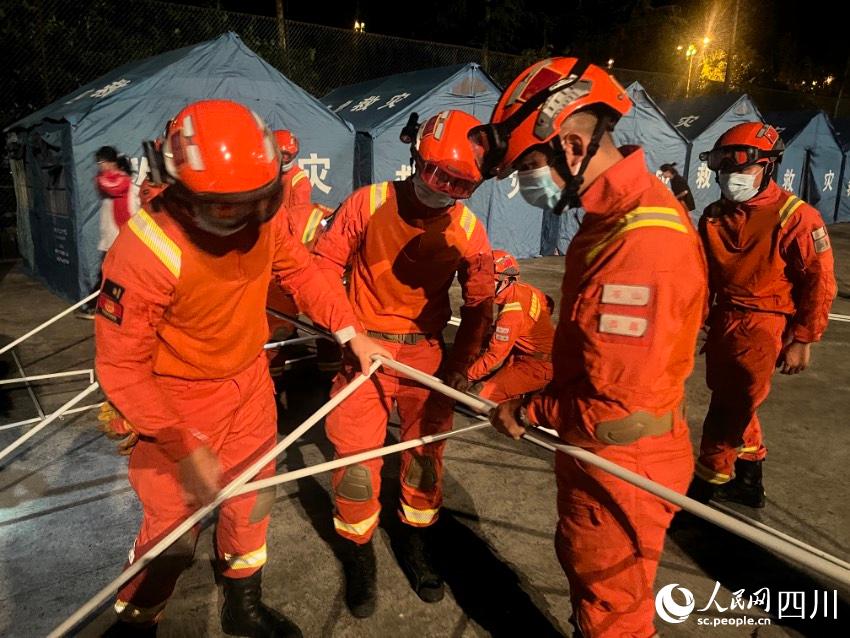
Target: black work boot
x,y
746,488
122,629
244,614
361,576
416,561
701,490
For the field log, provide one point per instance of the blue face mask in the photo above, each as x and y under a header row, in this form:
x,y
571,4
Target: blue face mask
x,y
538,188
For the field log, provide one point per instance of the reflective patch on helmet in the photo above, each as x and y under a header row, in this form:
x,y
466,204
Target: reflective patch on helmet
x,y
623,325
556,103
187,128
625,295
821,240
193,156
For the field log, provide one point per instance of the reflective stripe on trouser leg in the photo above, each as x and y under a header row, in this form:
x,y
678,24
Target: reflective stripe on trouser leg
x,y
422,412
246,564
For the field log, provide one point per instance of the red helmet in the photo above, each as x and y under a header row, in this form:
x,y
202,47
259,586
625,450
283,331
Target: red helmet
x,y
505,264
742,145
224,166
532,109
445,160
288,145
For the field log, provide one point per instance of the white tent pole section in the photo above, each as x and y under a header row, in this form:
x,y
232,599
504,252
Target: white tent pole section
x,y
18,424
42,326
842,318
791,551
355,458
30,391
227,492
58,413
290,342
88,372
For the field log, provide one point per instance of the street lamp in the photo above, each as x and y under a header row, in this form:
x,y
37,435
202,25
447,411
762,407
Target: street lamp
x,y
689,54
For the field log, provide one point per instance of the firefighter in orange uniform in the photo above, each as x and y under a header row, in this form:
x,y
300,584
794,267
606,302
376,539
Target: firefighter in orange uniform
x,y
404,242
633,298
179,334
301,212
522,338
296,182
771,275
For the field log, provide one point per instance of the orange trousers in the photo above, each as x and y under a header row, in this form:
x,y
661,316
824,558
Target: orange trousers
x,y
741,354
519,375
360,424
610,534
239,419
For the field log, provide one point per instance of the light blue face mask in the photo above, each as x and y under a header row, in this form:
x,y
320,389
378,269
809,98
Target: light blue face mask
x,y
538,188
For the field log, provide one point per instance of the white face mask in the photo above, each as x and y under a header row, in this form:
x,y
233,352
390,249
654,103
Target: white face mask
x,y
430,197
538,188
738,187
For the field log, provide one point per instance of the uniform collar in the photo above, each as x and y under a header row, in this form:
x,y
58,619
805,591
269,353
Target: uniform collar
x,y
618,189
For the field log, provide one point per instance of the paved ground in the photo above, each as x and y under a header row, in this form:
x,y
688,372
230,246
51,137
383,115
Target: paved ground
x,y
68,515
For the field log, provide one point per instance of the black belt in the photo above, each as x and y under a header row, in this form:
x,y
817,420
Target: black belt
x,y
408,338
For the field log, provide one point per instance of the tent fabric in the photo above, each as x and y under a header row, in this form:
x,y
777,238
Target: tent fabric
x,y
701,121
812,162
842,207
58,225
380,108
647,126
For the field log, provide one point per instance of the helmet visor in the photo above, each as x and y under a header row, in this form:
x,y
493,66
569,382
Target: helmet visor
x,y
444,182
226,213
728,159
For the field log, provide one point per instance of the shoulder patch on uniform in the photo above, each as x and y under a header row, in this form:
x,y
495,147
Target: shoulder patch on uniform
x,y
502,330
625,295
112,290
623,325
821,240
499,337
109,302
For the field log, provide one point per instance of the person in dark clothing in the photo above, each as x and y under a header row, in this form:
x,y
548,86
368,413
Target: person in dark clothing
x,y
679,186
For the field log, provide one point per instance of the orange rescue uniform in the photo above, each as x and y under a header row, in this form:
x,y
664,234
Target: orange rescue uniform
x,y
521,344
403,259
296,187
634,296
179,333
771,275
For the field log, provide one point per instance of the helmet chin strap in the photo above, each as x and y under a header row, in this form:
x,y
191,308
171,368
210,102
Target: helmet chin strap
x,y
573,183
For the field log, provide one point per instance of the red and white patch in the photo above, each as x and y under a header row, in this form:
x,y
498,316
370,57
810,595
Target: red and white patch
x,y
625,295
502,330
821,240
623,325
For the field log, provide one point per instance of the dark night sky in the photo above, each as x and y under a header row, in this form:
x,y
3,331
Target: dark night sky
x,y
805,29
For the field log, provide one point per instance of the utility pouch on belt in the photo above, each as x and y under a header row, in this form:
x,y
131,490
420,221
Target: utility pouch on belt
x,y
633,427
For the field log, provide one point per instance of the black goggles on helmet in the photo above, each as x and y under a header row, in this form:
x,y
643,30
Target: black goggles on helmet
x,y
231,211
731,158
490,141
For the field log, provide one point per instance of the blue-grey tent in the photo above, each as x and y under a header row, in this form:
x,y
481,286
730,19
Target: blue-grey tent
x,y
58,206
379,109
842,205
647,125
701,121
811,164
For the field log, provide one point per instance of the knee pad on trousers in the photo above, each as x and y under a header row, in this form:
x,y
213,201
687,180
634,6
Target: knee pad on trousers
x,y
421,473
356,484
263,505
